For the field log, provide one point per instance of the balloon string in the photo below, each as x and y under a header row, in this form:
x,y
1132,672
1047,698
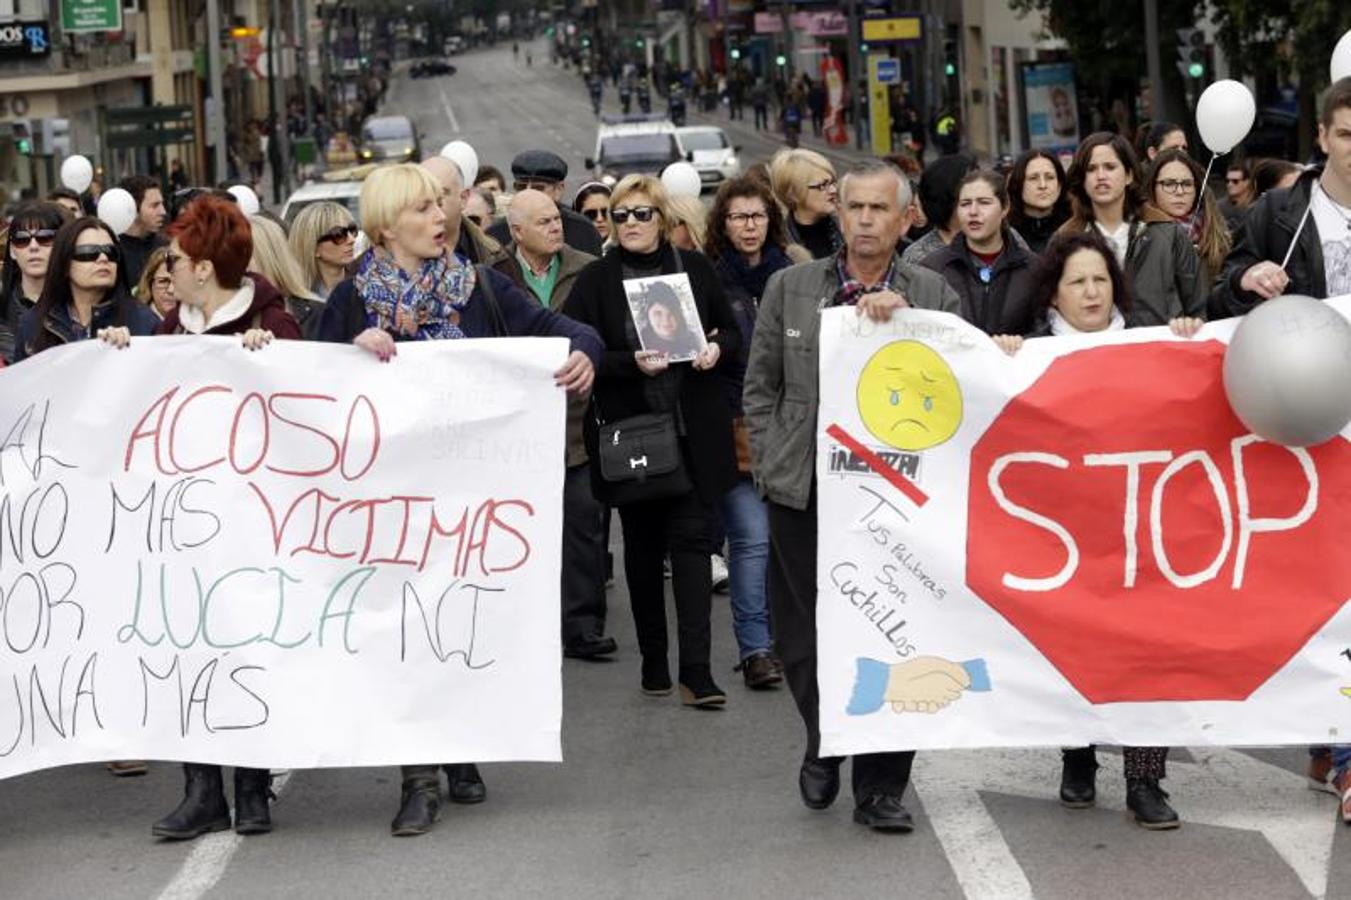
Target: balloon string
x,y
1295,240
1200,193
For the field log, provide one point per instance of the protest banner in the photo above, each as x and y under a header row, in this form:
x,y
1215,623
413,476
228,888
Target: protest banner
x,y
291,558
1080,543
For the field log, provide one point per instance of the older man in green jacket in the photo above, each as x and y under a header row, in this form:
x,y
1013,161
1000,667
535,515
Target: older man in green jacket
x,y
781,401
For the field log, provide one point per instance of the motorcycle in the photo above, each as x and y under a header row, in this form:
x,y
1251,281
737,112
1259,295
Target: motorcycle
x,y
625,99
675,106
644,98
596,87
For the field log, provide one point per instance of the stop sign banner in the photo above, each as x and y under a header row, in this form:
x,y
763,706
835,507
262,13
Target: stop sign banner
x,y
1081,543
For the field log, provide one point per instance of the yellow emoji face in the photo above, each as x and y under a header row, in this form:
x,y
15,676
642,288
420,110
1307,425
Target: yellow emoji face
x,y
908,397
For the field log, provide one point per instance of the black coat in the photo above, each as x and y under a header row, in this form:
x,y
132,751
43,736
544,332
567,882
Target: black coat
x,y
598,300
578,232
1004,306
1266,233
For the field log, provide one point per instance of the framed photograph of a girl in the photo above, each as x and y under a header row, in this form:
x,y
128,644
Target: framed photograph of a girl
x,y
665,316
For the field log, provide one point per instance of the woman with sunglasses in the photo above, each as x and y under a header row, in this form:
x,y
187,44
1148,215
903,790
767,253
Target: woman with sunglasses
x,y
272,259
156,288
411,286
593,202
209,250
633,381
322,239
804,182
27,254
1175,185
84,295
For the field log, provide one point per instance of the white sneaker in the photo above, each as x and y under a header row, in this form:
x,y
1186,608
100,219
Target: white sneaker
x,y
721,582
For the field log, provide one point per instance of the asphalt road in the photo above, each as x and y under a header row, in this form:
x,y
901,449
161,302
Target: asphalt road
x,y
661,801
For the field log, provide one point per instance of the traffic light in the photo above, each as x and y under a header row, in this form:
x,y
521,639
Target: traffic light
x,y
586,42
780,60
736,53
862,48
950,58
23,138
639,43
1191,52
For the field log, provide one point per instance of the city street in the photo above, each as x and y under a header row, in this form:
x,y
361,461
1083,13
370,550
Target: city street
x,y
658,800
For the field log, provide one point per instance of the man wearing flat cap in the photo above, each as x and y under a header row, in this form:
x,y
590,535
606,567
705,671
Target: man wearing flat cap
x,y
544,171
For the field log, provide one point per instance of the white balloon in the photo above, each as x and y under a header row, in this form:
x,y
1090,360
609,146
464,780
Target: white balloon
x,y
1286,371
463,156
1341,58
77,173
682,180
117,209
1224,115
246,198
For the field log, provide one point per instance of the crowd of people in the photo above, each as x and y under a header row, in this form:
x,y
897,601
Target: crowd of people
x,y
1128,236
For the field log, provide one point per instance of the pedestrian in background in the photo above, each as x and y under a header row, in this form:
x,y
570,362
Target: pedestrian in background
x,y
1153,137
27,254
273,260
323,240
156,287
1038,201
1174,183
143,235
593,203
689,223
938,195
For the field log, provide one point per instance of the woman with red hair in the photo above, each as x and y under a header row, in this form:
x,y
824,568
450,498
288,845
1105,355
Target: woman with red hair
x,y
210,247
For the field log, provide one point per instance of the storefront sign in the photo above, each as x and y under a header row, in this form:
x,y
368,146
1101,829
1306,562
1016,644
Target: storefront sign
x,y
24,40
900,28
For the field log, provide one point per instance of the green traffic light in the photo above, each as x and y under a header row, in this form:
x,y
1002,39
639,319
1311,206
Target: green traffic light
x,y
863,48
736,54
781,60
950,69
1196,70
638,43
25,147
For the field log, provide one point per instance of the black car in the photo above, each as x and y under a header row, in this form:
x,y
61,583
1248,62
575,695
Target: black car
x,y
428,68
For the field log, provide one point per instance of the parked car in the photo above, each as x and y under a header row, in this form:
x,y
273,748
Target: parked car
x,y
709,150
430,67
389,139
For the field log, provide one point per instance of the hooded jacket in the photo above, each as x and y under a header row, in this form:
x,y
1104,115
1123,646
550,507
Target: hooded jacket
x,y
257,304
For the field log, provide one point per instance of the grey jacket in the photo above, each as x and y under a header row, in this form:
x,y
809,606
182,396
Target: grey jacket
x,y
782,393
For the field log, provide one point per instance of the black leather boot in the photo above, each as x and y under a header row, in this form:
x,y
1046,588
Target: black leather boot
x,y
419,806
1149,802
253,790
203,807
466,784
1080,767
698,689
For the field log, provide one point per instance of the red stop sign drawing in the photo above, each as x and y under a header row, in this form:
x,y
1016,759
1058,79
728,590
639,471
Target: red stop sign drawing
x,y
1129,526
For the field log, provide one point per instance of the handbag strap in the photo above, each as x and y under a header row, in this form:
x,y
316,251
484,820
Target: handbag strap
x,y
495,320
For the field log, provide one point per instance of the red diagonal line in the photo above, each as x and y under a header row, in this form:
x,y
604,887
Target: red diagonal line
x,y
878,465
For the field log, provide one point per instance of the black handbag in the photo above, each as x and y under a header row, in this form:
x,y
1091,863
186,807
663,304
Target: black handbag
x,y
640,459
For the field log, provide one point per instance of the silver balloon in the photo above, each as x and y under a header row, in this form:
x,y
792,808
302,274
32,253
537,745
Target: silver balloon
x,y
1287,371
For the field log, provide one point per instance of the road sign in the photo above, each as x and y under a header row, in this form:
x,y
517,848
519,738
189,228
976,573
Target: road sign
x,y
888,70
898,28
91,15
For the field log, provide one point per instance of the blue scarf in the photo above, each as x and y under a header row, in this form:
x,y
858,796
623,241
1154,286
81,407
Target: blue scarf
x,y
425,307
734,269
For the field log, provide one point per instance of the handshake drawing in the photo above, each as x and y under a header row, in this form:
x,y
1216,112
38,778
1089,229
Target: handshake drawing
x,y
923,685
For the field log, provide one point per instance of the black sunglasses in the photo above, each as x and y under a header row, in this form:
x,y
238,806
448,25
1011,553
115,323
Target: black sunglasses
x,y
337,234
21,239
641,213
595,215
87,253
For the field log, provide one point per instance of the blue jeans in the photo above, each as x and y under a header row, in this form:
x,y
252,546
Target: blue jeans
x,y
1341,755
746,519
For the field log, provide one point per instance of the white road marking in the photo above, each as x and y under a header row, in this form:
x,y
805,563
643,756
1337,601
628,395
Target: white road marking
x,y
450,113
1223,788
210,856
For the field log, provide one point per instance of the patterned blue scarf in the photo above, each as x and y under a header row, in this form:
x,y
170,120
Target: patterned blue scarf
x,y
422,308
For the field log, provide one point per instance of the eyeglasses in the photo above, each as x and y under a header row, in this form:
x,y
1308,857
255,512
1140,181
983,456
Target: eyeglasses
x,y
641,213
21,239
88,253
596,214
161,282
477,220
1177,185
335,235
825,184
741,219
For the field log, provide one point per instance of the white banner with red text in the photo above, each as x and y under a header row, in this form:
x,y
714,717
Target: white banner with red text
x,y
290,558
1079,543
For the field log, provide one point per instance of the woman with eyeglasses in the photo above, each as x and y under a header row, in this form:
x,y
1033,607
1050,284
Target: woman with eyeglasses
x,y
747,245
1038,201
480,207
27,254
273,260
593,202
84,295
633,381
804,182
1175,184
208,254
412,286
156,288
1166,276
322,239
